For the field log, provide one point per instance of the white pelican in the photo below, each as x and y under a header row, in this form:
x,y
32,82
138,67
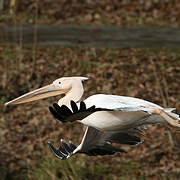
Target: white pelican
x,y
109,118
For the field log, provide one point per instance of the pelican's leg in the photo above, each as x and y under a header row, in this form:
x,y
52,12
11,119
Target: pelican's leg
x,y
170,119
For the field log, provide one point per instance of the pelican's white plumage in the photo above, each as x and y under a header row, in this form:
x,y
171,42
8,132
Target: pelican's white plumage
x,y
117,102
114,116
127,111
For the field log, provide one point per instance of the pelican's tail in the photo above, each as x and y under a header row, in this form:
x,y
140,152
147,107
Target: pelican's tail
x,y
170,117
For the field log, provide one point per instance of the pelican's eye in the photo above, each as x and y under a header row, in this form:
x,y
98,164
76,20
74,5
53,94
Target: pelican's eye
x,y
59,82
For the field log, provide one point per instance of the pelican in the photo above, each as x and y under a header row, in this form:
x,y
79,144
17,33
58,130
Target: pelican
x,y
108,118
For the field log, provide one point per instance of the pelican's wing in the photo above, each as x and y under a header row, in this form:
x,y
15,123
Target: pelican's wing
x,y
101,102
117,102
64,114
98,142
94,143
131,104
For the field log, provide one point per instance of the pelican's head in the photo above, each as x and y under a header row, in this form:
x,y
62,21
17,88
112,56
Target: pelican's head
x,y
65,85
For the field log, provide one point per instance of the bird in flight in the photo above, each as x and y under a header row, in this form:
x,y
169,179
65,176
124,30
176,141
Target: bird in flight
x,y
108,118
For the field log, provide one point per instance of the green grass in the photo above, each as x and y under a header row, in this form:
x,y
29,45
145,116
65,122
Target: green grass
x,y
3,172
79,167
73,168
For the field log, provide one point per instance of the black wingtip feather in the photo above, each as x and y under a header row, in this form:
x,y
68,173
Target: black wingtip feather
x,y
74,107
72,146
66,147
66,111
82,106
57,153
92,109
55,114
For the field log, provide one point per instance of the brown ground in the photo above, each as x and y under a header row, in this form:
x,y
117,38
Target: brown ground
x,y
96,12
150,74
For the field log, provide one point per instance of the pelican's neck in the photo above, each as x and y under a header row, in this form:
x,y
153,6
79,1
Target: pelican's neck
x,y
75,94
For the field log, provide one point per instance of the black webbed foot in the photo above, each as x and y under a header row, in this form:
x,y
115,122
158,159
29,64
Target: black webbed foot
x,y
64,114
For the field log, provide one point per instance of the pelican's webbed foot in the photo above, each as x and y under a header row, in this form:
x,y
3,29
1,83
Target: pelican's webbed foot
x,y
64,114
64,151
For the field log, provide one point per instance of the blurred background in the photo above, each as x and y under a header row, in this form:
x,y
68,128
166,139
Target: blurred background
x,y
152,74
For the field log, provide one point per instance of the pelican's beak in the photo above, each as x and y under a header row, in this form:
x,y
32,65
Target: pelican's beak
x,y
41,93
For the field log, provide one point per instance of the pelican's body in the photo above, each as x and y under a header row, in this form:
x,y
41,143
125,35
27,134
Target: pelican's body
x,y
110,116
126,111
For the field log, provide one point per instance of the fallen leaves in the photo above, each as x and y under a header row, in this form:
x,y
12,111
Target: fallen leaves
x,y
25,129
